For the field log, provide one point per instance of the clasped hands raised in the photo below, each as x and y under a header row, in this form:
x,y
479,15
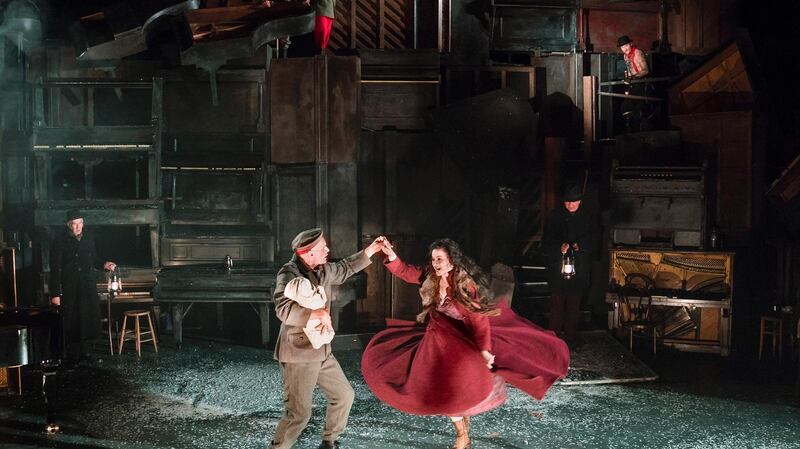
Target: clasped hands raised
x,y
384,245
381,244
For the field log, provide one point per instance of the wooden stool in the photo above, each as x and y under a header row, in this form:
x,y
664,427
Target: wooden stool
x,y
137,333
772,326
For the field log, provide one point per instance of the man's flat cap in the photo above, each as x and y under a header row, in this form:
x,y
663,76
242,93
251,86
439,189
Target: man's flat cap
x,y
306,240
73,214
623,40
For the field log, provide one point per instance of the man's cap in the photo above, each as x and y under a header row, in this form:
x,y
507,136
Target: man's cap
x,y
623,40
572,193
74,214
306,240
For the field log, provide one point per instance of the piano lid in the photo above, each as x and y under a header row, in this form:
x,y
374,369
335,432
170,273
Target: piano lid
x,y
127,28
121,29
239,268
15,346
29,335
257,279
729,80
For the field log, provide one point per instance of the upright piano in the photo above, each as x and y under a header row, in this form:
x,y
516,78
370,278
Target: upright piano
x,y
251,283
184,286
692,294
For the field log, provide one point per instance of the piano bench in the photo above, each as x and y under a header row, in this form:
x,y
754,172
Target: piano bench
x,y
136,333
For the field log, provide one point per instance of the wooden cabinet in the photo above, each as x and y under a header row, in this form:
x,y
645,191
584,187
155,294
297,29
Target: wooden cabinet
x,y
720,111
534,25
726,139
315,112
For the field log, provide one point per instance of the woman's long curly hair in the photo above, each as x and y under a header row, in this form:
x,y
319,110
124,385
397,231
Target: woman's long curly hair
x,y
467,275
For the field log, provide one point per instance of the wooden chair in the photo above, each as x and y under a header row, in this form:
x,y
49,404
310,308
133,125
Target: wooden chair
x,y
136,334
636,316
771,326
797,382
796,338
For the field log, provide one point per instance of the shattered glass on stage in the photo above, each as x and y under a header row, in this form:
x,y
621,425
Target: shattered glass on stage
x,y
214,396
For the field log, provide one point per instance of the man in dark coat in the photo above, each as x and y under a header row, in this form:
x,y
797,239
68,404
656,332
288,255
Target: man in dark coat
x,y
569,226
73,284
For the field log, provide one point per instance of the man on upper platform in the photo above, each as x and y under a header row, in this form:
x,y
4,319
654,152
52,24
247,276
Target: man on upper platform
x,y
634,110
635,59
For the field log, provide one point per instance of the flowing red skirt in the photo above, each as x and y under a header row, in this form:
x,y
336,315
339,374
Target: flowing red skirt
x,y
438,370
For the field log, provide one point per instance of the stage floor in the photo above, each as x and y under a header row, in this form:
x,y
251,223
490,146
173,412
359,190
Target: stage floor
x,y
212,395
600,359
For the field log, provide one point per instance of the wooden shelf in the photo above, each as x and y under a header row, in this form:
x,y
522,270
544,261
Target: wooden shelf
x,y
214,218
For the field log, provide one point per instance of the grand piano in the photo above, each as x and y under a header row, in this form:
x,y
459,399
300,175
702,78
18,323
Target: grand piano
x,y
31,336
208,34
126,27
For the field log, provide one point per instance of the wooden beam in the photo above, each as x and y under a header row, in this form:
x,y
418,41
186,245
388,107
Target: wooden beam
x,y
353,26
381,24
589,114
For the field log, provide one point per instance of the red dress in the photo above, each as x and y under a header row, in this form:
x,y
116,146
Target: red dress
x,y
437,369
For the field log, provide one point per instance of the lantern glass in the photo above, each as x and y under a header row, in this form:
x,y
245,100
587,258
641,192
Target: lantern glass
x,y
568,264
114,282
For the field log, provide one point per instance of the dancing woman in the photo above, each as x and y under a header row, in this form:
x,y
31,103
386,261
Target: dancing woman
x,y
456,361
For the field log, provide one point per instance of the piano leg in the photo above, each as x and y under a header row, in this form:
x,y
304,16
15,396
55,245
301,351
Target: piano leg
x,y
797,382
50,393
108,317
263,314
177,323
220,316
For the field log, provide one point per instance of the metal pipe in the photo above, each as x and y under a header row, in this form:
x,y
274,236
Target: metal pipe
x,y
415,7
399,82
82,82
14,273
637,81
22,60
555,53
632,97
514,5
531,267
